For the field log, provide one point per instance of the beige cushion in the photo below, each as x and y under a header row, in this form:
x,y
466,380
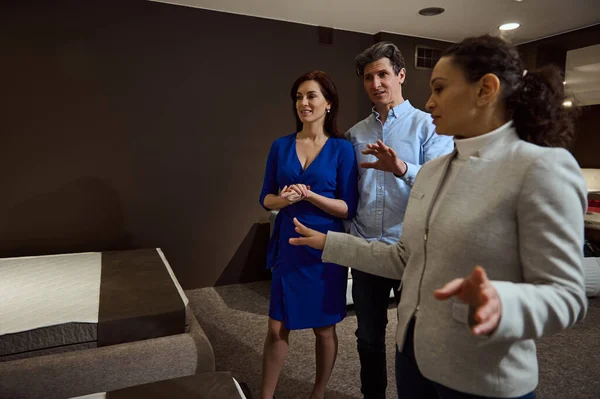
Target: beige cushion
x,y
592,178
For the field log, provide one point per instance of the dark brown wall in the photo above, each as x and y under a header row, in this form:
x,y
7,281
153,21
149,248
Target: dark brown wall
x,y
586,148
553,50
139,124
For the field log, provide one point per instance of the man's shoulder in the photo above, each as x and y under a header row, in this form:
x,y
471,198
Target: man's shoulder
x,y
421,118
361,127
413,124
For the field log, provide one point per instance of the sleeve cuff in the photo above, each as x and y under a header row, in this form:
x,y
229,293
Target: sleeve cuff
x,y
329,251
411,173
505,329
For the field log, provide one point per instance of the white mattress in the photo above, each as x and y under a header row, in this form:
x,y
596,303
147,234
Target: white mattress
x,y
102,395
184,298
349,297
591,276
592,179
42,291
45,291
592,220
239,389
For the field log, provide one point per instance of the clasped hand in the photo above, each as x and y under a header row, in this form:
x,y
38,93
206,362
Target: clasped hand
x,y
295,193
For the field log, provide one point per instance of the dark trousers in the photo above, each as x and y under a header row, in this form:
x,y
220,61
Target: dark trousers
x,y
371,295
411,384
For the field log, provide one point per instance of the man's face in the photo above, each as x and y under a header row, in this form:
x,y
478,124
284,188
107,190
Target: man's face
x,y
381,83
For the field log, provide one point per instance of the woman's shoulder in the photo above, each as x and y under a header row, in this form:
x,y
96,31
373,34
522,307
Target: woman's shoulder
x,y
341,144
287,137
541,166
531,153
284,140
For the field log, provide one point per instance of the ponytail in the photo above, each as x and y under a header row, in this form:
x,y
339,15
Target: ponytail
x,y
537,109
534,100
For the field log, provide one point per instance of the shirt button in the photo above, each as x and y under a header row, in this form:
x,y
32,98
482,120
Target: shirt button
x,y
381,188
379,213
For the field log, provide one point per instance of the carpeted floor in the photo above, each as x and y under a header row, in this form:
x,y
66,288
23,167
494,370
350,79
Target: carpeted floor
x,y
234,318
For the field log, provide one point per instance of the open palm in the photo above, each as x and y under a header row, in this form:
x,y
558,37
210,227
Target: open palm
x,y
310,237
476,290
387,159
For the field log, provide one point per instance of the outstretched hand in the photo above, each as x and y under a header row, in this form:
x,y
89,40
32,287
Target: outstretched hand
x,y
387,159
312,238
476,290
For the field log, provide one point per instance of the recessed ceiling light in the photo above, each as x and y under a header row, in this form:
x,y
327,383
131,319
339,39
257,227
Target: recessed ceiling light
x,y
568,103
509,26
431,11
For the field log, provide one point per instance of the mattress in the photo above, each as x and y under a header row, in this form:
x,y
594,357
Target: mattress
x,y
69,302
592,179
592,220
142,391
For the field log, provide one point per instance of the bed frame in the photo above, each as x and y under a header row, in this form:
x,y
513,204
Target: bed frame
x,y
152,356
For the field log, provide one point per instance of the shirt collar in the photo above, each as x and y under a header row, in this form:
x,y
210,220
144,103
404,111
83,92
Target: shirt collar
x,y
396,111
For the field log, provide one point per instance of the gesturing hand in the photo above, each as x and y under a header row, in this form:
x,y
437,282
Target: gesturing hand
x,y
387,159
312,238
478,291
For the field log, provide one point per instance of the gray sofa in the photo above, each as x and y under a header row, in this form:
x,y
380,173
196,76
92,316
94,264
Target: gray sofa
x,y
87,371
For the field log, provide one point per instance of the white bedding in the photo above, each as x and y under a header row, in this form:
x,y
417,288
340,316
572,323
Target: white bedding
x,y
591,276
592,220
44,291
184,298
592,179
102,395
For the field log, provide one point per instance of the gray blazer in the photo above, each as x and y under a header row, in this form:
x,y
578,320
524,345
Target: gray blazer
x,y
517,210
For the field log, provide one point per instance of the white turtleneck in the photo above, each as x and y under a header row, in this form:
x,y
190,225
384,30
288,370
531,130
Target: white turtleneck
x,y
466,148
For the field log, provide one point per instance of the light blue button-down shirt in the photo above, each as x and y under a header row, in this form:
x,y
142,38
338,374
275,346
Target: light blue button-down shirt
x,y
382,196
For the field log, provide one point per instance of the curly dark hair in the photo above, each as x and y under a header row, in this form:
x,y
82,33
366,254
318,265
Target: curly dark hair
x,y
533,99
329,92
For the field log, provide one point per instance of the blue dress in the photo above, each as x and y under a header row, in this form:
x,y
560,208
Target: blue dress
x,y
305,292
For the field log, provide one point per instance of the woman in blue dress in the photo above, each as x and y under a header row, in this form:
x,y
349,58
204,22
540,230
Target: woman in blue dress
x,y
310,175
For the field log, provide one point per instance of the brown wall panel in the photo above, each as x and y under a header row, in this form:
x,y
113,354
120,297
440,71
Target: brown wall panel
x,y
139,124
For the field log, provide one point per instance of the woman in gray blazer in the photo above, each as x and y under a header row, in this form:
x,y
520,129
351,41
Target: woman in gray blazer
x,y
505,209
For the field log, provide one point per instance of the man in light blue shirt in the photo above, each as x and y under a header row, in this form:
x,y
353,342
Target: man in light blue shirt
x,y
409,135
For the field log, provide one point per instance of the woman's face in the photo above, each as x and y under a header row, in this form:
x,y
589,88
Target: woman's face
x,y
453,100
311,105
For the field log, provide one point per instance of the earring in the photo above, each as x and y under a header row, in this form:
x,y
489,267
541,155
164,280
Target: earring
x,y
328,110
